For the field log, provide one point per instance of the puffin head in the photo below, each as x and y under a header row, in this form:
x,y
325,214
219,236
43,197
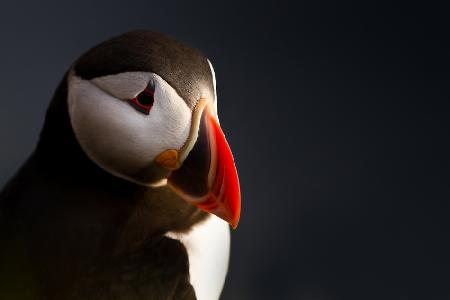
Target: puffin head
x,y
143,107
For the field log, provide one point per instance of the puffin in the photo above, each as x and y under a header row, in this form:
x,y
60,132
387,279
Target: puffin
x,y
132,187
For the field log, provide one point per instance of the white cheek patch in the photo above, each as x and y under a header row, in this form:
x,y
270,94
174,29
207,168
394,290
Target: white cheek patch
x,y
214,83
117,137
124,85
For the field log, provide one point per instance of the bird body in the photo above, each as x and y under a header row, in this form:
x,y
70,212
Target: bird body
x,y
208,246
115,201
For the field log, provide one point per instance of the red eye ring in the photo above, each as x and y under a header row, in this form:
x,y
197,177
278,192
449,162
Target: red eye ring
x,y
144,101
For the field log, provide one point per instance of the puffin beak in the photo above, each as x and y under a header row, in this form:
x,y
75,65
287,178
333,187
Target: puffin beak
x,y
207,177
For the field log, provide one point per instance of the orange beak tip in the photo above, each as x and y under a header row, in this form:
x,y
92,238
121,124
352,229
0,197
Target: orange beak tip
x,y
234,224
223,196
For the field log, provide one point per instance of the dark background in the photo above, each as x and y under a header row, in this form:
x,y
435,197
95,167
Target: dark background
x,y
337,115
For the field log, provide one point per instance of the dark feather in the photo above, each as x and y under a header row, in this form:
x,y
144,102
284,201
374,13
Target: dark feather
x,y
69,230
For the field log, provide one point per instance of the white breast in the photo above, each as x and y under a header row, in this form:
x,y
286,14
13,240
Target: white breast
x,y
208,247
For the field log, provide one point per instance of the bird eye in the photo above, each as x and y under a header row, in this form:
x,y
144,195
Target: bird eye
x,y
144,101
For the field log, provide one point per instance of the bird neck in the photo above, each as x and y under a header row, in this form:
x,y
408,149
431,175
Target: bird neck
x,y
60,157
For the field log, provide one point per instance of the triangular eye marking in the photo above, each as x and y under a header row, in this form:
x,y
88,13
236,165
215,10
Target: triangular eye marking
x,y
151,85
144,101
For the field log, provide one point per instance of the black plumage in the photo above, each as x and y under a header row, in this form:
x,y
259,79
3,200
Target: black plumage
x,y
185,68
70,230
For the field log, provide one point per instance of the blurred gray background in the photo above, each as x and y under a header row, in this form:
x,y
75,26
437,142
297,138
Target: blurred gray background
x,y
337,115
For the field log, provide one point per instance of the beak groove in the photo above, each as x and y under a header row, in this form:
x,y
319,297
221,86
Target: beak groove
x,y
208,177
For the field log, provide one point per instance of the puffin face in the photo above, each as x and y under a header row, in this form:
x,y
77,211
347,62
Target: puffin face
x,y
124,121
137,126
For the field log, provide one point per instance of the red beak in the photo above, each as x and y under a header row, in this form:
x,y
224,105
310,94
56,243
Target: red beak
x,y
208,177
